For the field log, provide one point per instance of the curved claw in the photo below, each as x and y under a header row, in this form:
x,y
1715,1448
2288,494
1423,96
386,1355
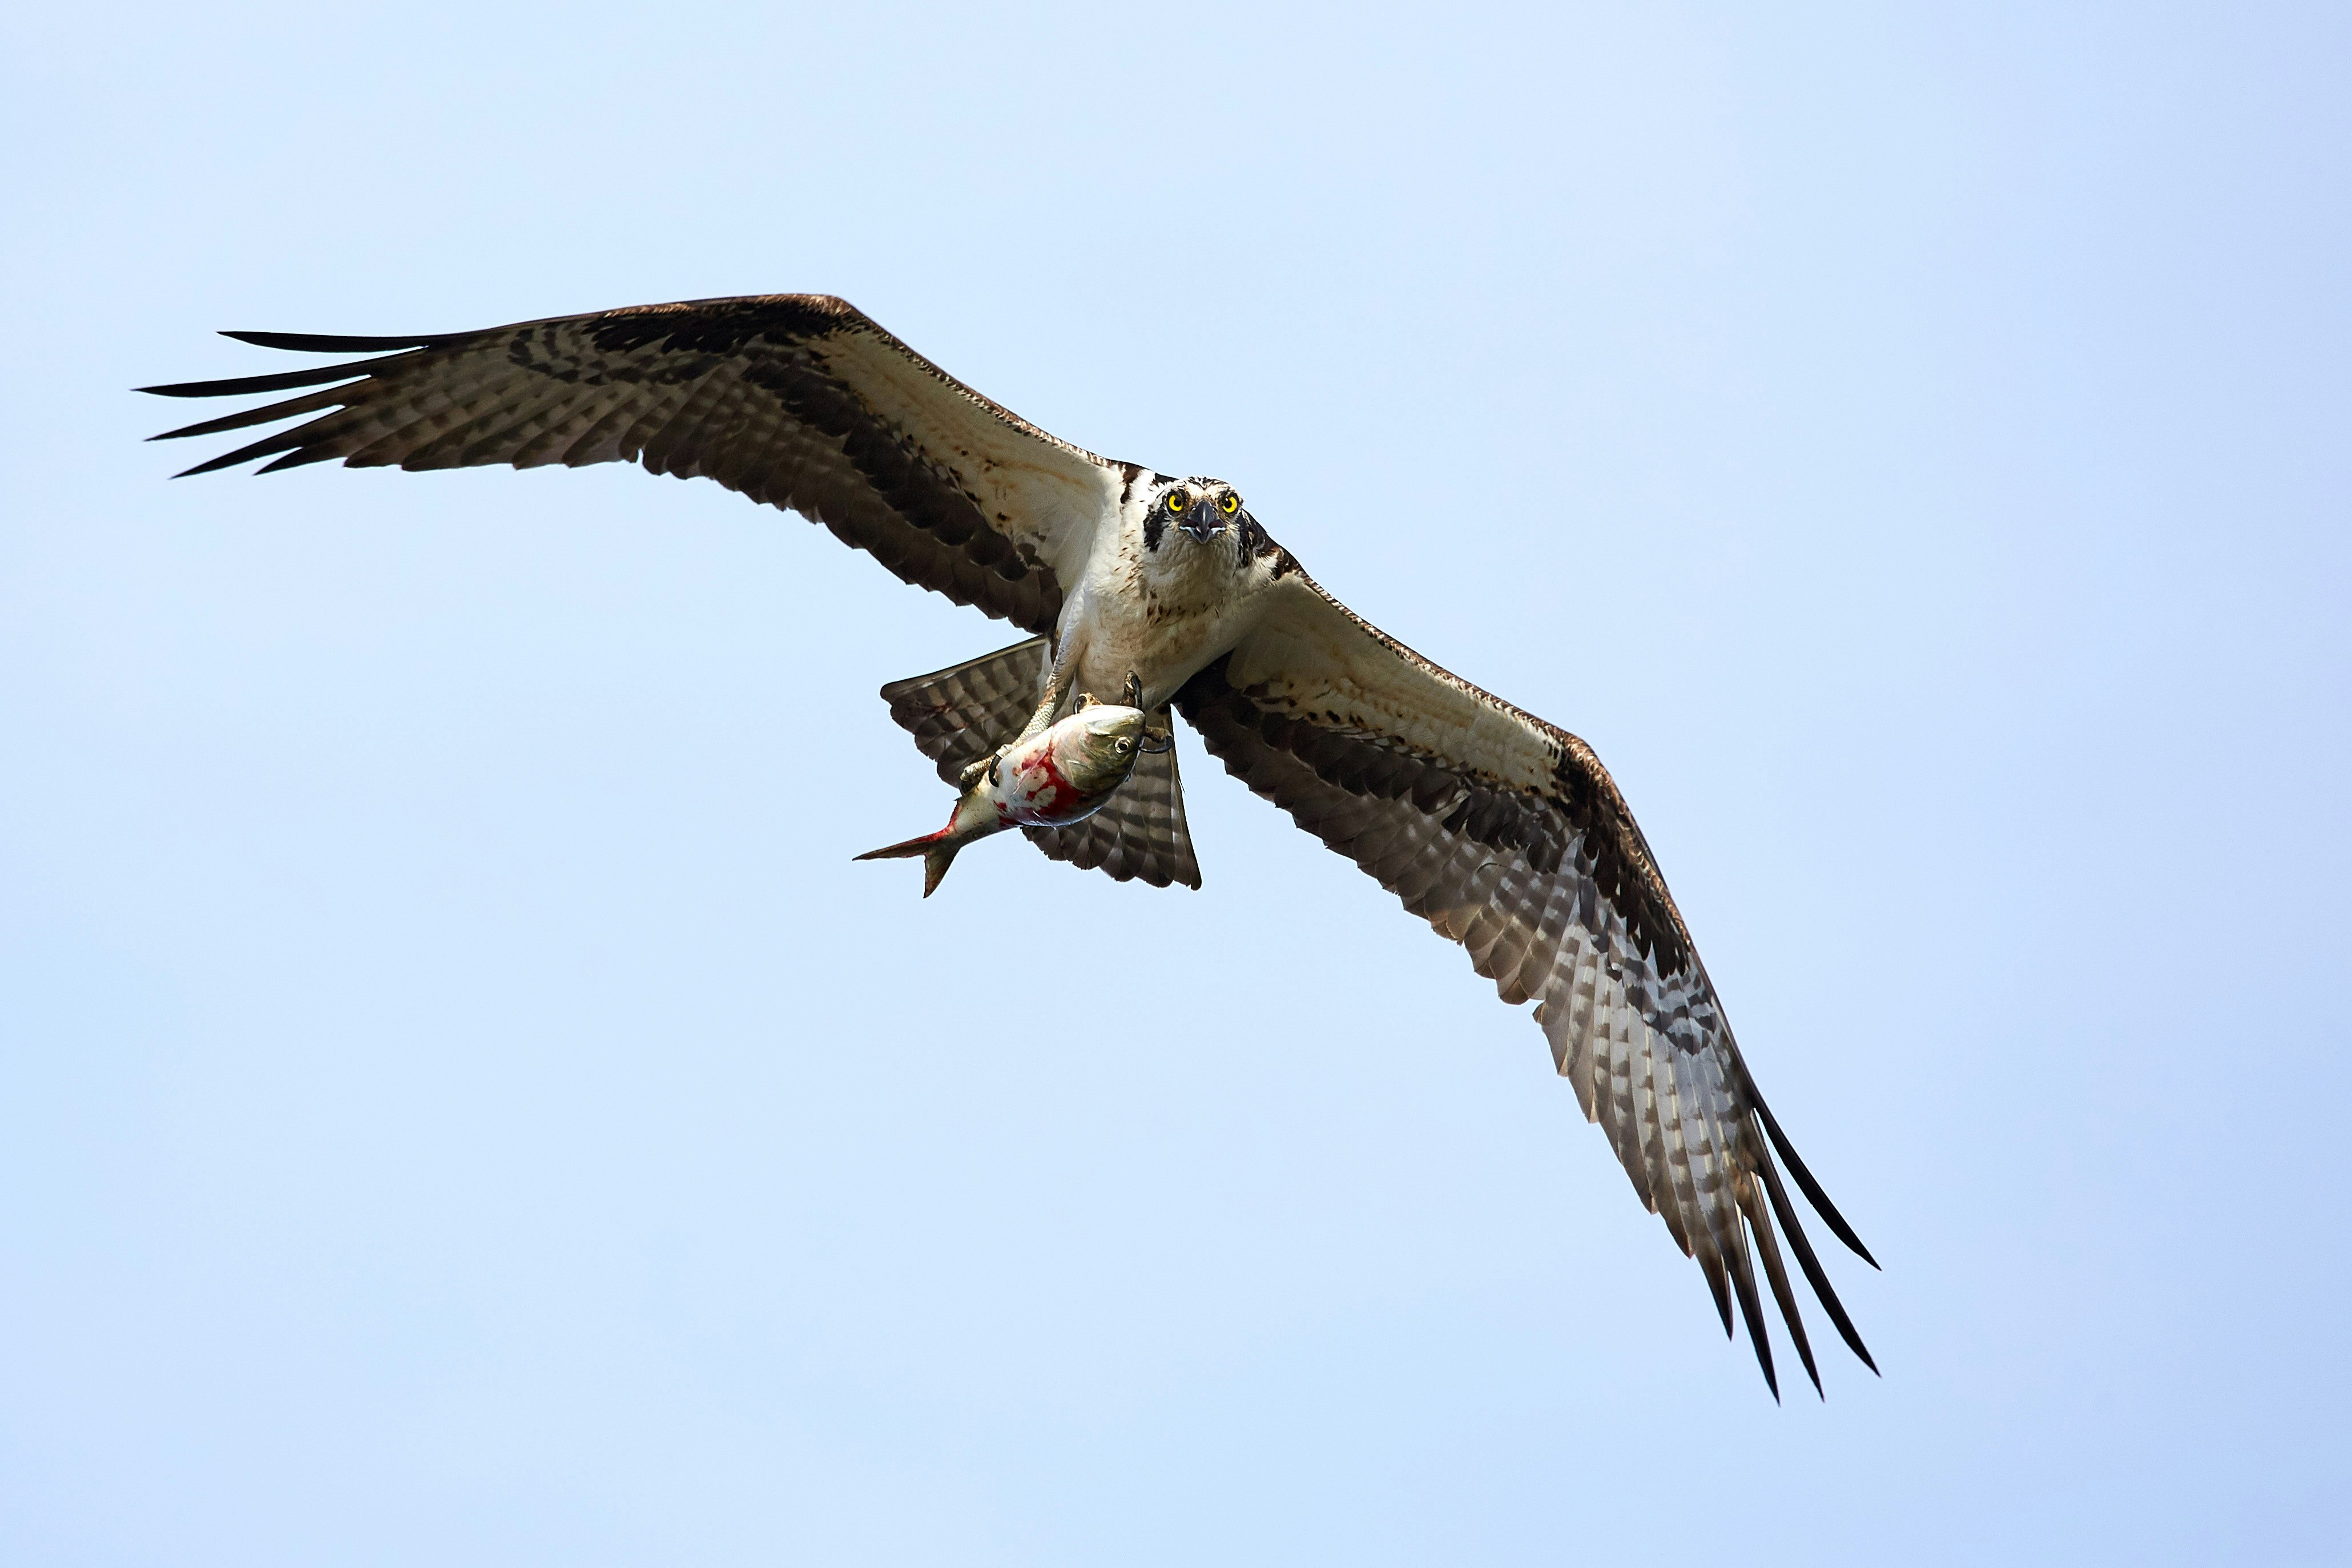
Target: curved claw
x,y
1134,689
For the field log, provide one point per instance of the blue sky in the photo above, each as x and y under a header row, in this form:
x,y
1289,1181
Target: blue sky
x,y
460,1101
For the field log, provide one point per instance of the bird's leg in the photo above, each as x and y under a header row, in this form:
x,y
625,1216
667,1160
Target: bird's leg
x,y
1057,681
1158,725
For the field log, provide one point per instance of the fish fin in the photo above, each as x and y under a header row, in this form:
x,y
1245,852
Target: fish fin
x,y
938,850
907,849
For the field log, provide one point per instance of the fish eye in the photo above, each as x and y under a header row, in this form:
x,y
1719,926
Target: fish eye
x,y
1230,504
1178,501
1123,746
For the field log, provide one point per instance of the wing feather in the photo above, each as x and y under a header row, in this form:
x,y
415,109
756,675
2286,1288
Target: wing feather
x,y
1509,836
798,400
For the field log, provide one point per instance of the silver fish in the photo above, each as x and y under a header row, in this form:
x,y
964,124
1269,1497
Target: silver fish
x,y
1061,775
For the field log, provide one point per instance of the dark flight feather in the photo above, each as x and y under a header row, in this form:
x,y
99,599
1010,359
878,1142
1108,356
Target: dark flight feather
x,y
1529,882
332,343
796,400
244,386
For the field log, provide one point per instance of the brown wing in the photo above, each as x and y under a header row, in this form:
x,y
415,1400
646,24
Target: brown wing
x,y
797,400
1508,836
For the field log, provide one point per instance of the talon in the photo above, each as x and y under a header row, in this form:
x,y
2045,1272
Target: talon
x,y
976,770
1134,689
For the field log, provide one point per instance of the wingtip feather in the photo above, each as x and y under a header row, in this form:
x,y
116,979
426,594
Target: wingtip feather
x,y
214,465
1752,1310
1807,1260
1804,1177
1776,1274
283,380
297,458
332,343
1712,1266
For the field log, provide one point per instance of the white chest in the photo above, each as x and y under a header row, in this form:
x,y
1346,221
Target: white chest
x,y
1160,613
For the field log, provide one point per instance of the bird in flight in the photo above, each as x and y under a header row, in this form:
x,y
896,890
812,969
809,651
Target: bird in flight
x,y
1162,592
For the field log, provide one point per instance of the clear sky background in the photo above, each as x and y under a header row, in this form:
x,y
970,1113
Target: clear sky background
x,y
460,1104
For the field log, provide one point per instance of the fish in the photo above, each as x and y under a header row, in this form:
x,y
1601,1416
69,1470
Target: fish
x,y
1064,774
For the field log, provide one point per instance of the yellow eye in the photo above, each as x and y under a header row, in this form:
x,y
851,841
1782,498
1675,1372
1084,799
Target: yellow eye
x,y
1177,501
1230,504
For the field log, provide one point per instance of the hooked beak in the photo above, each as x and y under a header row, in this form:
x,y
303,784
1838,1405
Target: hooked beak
x,y
1203,521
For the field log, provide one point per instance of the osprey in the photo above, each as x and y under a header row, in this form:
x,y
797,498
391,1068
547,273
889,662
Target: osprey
x,y
1153,591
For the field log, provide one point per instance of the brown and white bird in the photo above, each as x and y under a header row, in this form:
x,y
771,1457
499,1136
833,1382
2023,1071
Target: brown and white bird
x,y
1501,830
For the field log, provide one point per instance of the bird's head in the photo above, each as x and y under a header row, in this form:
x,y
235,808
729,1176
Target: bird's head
x,y
1202,508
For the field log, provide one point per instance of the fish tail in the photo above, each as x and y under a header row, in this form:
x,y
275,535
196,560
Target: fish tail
x,y
936,861
938,850
908,850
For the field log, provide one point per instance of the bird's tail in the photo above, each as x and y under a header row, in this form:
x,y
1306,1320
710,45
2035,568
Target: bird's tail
x,y
938,850
960,715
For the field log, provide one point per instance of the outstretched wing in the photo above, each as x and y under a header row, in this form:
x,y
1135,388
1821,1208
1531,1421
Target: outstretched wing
x,y
797,400
1506,835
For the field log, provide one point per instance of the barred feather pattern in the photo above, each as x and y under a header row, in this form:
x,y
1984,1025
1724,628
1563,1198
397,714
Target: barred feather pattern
x,y
960,715
1510,876
962,712
798,401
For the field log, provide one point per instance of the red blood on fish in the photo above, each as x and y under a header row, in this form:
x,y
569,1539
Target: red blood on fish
x,y
1028,788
